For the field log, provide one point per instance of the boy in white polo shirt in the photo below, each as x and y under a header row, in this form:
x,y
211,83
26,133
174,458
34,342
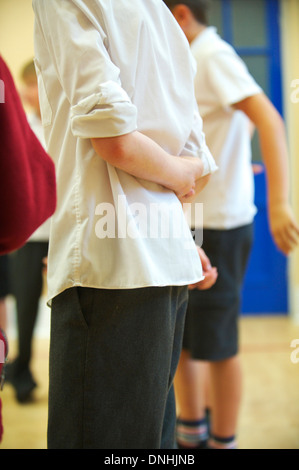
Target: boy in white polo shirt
x,y
27,289
228,99
118,109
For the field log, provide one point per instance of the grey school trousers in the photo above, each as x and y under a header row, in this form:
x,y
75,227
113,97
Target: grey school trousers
x,y
113,356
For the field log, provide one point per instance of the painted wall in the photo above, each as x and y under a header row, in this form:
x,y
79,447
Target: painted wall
x,y
290,57
16,34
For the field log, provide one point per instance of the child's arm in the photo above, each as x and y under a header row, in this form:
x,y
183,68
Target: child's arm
x,y
140,156
271,130
210,273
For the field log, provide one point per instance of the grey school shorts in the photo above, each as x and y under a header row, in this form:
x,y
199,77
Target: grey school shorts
x,y
211,328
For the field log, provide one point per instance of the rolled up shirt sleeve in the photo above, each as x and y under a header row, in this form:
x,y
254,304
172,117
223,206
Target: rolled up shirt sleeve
x,y
106,113
100,107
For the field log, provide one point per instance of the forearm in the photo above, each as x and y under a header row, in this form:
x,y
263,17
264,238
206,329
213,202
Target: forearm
x,y
201,183
275,157
270,126
199,186
140,156
273,144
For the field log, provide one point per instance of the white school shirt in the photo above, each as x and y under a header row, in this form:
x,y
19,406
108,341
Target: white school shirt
x,y
43,232
107,68
223,79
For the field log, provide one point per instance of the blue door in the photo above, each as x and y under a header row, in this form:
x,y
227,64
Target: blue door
x,y
252,28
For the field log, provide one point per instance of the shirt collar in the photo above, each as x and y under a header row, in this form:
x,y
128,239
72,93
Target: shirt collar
x,y
204,36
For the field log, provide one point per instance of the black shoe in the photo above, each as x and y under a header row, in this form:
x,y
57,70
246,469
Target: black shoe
x,y
22,381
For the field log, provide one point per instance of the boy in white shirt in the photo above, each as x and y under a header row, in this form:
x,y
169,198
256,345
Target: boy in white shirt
x,y
228,99
27,264
118,110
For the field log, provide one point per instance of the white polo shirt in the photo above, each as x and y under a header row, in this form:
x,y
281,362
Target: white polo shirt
x,y
223,79
107,69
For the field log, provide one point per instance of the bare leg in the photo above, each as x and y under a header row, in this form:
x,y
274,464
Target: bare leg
x,y
190,382
190,387
217,385
226,386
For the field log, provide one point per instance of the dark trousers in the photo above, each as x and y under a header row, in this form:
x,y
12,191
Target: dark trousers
x,y
4,277
113,356
26,266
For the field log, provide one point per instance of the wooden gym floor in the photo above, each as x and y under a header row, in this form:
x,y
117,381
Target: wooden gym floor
x,y
270,410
